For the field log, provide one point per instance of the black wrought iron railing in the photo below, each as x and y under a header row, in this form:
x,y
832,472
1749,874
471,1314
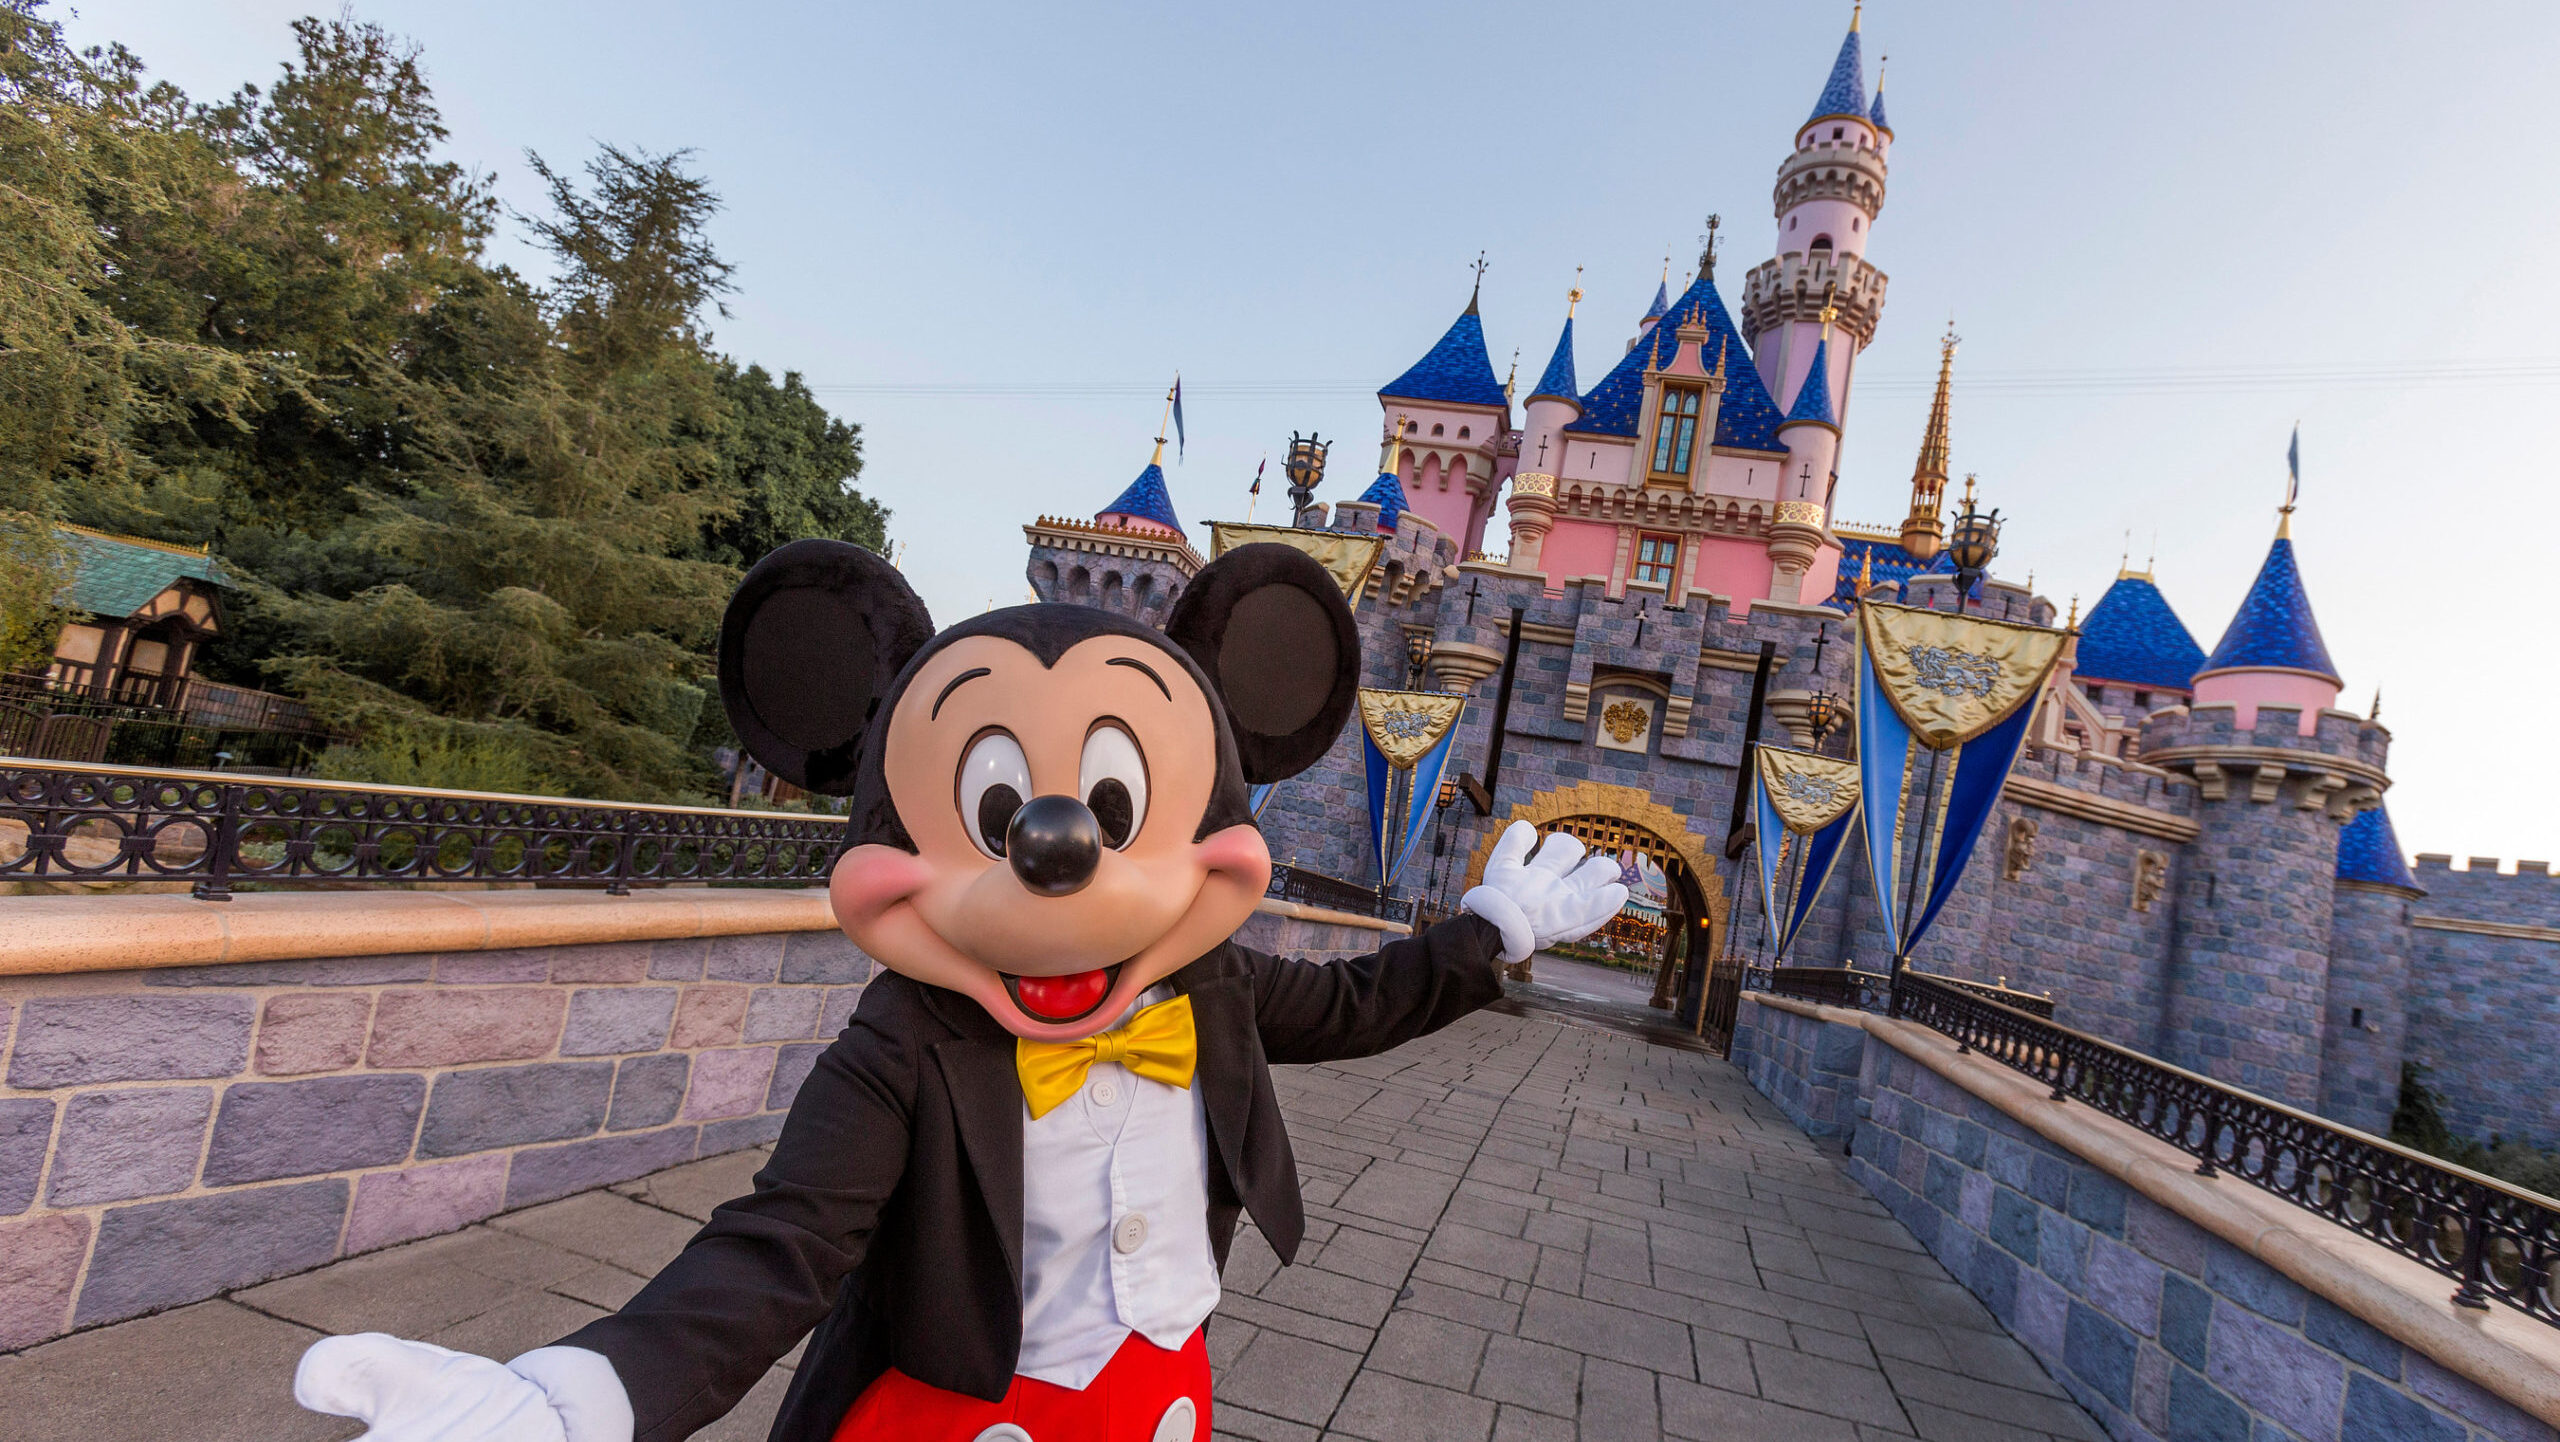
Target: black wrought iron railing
x,y
2495,1241
220,830
1314,888
1871,991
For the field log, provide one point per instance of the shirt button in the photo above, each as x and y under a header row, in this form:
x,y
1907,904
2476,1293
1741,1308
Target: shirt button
x,y
1130,1235
1105,1094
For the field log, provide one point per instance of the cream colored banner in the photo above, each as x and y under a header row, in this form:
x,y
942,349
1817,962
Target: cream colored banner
x,y
1809,792
1406,724
1347,556
1953,677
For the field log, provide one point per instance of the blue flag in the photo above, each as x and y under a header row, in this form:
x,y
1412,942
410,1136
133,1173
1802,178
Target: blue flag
x,y
1178,441
2293,467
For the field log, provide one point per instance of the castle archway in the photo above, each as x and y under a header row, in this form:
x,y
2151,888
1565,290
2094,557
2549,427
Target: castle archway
x,y
1620,818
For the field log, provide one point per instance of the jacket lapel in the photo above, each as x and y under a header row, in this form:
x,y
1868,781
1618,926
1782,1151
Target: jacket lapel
x,y
1222,1022
986,1106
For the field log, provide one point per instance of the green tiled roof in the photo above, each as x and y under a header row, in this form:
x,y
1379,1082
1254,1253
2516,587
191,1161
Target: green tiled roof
x,y
118,575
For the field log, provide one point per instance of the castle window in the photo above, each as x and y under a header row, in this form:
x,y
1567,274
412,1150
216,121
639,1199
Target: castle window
x,y
1822,242
1837,131
1675,433
1656,558
1791,222
2355,1019
2142,701
1465,431
1857,222
1413,428
1439,430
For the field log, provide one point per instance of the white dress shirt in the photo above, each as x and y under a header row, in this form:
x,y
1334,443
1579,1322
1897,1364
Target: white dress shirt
x,y
1115,1222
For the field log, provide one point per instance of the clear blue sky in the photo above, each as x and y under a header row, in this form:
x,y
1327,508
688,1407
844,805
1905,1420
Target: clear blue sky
x,y
2166,231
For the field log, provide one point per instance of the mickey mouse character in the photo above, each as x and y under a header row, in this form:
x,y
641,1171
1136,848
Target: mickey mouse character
x,y
1003,1196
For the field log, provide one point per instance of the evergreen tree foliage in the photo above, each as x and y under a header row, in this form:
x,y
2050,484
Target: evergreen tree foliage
x,y
484,522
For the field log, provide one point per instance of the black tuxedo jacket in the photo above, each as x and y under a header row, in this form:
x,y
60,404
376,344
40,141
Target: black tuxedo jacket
x,y
900,1168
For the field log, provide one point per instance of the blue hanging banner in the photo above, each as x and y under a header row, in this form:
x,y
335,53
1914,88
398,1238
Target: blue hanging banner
x,y
1805,806
1405,739
1258,797
1945,700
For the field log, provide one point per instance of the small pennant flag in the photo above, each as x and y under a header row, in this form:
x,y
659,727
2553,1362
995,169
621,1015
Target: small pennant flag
x,y
2293,467
1257,478
1178,441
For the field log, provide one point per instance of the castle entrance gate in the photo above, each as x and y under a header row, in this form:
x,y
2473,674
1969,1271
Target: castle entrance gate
x,y
1684,932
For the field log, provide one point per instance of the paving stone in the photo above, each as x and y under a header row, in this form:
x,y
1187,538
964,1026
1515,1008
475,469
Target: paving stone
x,y
1820,1384
1619,1404
1429,1349
1396,1192
1290,1377
1382,1407
694,1189
1714,1414
524,1321
607,1227
1655,1343
120,1384
1531,1374
407,1291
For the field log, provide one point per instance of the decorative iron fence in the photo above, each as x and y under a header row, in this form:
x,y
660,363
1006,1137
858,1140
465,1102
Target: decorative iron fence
x,y
1314,888
2494,1240
1830,986
221,829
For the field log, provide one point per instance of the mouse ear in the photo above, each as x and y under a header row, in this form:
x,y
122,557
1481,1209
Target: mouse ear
x,y
811,640
1269,626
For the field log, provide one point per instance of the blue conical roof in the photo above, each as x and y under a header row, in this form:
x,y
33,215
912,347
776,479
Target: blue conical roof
x,y
1661,301
1846,92
1456,371
1557,380
2133,636
1387,494
2274,627
1146,499
2369,850
1748,418
1813,398
1875,113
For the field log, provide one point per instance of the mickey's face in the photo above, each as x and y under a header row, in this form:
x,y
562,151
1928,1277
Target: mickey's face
x,y
1049,802
1053,810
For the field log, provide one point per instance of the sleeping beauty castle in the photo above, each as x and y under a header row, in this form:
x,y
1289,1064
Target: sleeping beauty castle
x,y
2192,854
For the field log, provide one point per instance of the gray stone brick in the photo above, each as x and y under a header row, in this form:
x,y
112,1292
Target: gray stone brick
x,y
1530,1374
841,1000
1390,1408
26,1133
678,960
161,1254
1289,1377
2100,1352
744,958
543,1173
647,1090
118,1145
783,1013
78,1041
2376,1413
740,1132
320,971
604,1021
271,1130
791,1067
823,956
471,1111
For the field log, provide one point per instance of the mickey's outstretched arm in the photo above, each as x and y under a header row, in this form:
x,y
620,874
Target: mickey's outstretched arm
x,y
1367,1004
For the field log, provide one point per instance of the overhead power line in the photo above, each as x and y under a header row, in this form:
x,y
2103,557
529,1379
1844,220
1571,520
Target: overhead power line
x,y
2140,381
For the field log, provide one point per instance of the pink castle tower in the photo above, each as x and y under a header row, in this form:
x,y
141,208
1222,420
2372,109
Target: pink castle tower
x,y
1456,420
2272,654
1827,195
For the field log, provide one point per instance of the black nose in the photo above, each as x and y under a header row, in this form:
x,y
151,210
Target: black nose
x,y
1054,844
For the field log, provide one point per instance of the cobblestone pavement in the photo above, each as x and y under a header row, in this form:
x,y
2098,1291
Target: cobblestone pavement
x,y
1518,1230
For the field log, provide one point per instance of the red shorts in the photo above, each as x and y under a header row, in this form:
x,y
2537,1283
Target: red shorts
x,y
1139,1397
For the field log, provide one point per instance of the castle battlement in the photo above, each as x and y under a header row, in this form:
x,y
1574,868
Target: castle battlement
x,y
2441,864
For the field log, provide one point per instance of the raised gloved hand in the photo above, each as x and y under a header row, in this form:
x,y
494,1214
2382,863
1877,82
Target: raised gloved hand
x,y
413,1392
1540,900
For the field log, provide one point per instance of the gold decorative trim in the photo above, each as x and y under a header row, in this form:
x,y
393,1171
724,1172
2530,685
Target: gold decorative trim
x,y
2486,928
1533,483
1800,513
2104,810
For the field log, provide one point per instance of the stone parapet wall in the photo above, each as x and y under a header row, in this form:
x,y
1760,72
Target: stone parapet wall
x,y
2484,994
2170,1306
1313,933
1805,1062
170,1133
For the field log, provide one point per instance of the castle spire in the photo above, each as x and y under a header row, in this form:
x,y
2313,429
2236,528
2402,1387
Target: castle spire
x,y
1845,93
1557,380
1921,530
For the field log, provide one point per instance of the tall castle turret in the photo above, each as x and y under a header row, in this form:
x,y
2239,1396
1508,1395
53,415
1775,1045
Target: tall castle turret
x,y
1828,193
1922,529
2249,966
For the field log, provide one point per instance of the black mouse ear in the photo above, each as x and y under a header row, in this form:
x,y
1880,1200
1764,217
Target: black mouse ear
x,y
1269,626
811,640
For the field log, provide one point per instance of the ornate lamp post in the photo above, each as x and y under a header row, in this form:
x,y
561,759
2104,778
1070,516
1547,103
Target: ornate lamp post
x,y
1417,655
1305,469
1971,544
1823,710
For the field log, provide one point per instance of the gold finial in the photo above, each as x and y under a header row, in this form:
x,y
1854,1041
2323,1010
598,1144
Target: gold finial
x,y
1510,382
1720,349
2073,624
1830,309
1158,458
1866,570
1855,12
1968,490
1881,62
1573,297
1395,447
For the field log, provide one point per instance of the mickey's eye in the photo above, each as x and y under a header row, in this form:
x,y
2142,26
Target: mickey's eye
x,y
993,780
1113,781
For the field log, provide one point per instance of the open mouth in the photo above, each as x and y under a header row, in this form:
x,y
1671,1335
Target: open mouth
x,y
1062,999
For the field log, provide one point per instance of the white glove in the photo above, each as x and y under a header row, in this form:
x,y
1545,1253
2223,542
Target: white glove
x,y
1541,900
414,1392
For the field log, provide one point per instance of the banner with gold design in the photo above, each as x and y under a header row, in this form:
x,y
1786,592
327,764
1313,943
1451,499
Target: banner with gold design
x,y
1945,702
1346,556
1406,737
1805,807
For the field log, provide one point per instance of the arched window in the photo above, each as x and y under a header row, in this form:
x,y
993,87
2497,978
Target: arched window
x,y
1822,242
1675,432
1837,131
1413,428
1437,429
1857,222
1791,222
1464,432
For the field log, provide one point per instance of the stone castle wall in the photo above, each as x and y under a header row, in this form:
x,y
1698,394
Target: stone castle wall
x,y
173,1132
2484,976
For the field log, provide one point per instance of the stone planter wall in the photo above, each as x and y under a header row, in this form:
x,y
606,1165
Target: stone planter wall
x,y
169,1133
2170,1306
1286,928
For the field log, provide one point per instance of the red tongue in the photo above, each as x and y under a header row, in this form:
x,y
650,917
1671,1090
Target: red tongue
x,y
1060,998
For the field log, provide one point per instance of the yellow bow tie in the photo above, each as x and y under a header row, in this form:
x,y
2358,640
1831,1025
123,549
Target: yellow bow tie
x,y
1158,1043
